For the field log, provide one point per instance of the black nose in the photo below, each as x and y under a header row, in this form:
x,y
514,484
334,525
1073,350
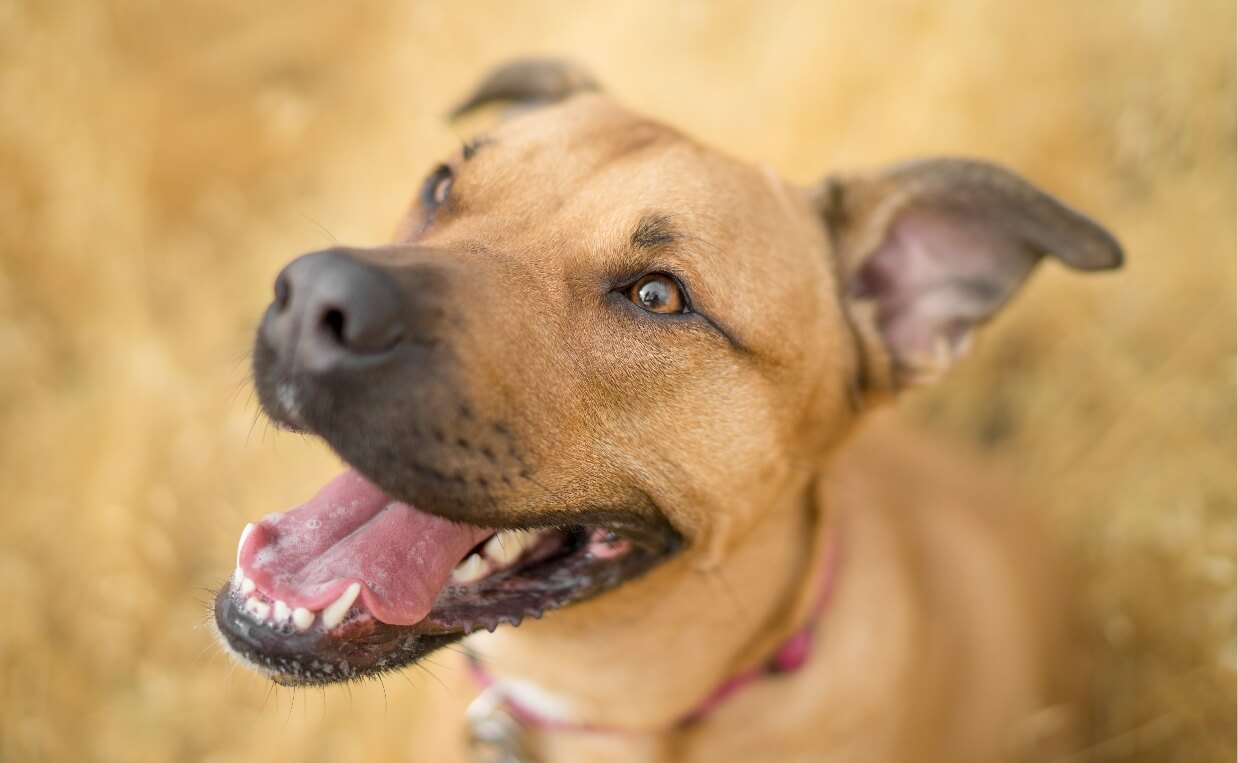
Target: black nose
x,y
331,310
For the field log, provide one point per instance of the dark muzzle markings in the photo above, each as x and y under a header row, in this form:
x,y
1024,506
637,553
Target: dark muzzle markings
x,y
388,561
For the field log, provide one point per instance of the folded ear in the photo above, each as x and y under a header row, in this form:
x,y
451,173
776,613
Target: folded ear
x,y
929,250
527,83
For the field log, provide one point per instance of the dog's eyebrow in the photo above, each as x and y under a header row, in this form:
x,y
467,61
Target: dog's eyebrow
x,y
470,147
654,231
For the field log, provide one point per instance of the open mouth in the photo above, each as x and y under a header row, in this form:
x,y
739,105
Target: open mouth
x,y
354,582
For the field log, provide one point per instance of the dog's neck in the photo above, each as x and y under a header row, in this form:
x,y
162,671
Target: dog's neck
x,y
725,617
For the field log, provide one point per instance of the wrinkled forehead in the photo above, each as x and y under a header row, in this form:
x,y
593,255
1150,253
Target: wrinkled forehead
x,y
591,158
608,189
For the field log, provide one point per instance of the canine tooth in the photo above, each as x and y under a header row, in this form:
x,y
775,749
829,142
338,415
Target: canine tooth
x,y
282,611
247,586
302,618
241,543
470,570
333,615
258,608
507,546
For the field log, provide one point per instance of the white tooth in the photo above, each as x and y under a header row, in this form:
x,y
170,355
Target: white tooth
x,y
257,608
333,615
506,547
241,543
470,570
247,587
302,618
282,611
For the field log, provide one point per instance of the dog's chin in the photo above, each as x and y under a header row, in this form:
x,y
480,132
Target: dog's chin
x,y
357,583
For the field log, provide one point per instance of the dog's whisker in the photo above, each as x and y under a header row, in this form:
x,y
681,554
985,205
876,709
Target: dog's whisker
x,y
238,387
379,678
403,674
322,228
249,435
716,574
468,653
271,686
459,135
437,679
213,644
292,701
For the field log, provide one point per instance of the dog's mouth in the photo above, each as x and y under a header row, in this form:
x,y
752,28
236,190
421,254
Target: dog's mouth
x,y
354,582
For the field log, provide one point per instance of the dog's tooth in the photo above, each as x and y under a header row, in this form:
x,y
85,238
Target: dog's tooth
x,y
333,615
470,570
247,586
241,543
302,618
506,546
258,608
282,611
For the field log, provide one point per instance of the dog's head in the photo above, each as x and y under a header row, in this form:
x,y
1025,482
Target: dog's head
x,y
596,344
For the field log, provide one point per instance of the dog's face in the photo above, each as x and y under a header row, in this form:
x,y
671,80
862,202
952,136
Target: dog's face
x,y
597,344
593,299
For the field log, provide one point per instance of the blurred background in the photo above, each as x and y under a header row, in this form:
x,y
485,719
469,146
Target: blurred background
x,y
161,160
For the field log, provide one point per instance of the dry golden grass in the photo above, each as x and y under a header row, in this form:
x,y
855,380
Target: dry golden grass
x,y
162,160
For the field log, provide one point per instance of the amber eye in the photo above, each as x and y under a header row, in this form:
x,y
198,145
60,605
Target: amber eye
x,y
657,293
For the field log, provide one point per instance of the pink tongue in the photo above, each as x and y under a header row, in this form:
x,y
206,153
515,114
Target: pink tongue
x,y
352,531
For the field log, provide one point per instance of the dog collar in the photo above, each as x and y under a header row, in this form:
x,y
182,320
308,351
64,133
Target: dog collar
x,y
496,714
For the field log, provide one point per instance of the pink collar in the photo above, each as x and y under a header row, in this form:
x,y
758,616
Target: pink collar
x,y
789,657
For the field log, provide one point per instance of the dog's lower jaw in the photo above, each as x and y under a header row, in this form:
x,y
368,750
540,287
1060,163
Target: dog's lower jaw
x,y
737,608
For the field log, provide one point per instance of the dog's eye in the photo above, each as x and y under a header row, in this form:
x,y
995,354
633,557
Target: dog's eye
x,y
658,293
438,186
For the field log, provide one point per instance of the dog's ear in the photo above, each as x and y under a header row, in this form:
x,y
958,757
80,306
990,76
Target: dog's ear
x,y
929,250
527,83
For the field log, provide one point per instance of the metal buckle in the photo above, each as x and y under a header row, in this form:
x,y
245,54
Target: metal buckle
x,y
495,736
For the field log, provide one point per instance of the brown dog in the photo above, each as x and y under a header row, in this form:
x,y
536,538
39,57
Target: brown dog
x,y
613,368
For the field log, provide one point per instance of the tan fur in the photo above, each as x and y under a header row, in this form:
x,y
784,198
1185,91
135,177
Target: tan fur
x,y
943,640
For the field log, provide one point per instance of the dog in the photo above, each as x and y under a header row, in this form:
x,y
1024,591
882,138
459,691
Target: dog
x,y
611,376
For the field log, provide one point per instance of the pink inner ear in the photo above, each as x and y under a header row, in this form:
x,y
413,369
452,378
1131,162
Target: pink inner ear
x,y
938,274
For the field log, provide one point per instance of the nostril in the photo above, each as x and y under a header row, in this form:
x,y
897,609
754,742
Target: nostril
x,y
333,322
358,330
330,308
283,292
